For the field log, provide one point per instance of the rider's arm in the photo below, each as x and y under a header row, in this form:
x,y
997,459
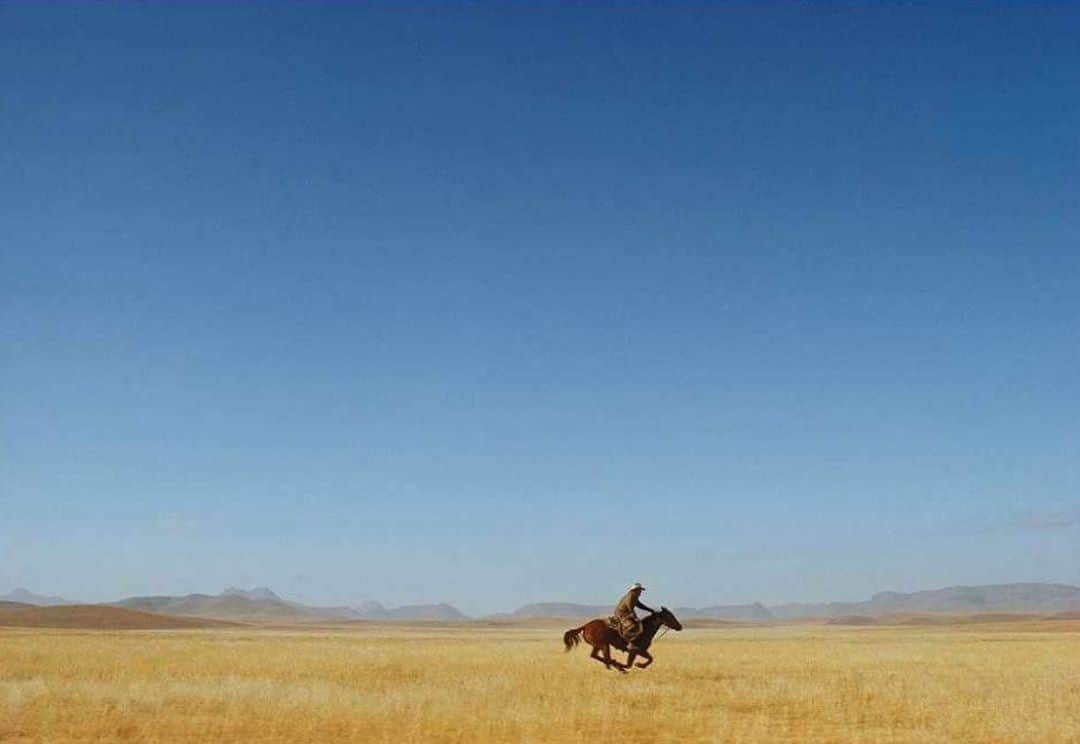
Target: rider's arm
x,y
644,606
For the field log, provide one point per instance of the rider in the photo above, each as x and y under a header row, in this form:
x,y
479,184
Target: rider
x,y
629,625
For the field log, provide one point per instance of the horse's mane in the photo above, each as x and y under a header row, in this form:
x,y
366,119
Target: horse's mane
x,y
656,616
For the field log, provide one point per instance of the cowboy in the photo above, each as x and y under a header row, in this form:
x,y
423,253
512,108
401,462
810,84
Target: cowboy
x,y
629,625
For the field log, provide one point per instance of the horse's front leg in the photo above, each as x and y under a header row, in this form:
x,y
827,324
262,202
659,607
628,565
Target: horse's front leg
x,y
648,660
630,656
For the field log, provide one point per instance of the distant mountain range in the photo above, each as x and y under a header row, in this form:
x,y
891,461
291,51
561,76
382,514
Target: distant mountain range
x,y
755,611
557,609
229,605
104,617
569,610
372,610
261,604
258,593
1021,598
24,596
959,600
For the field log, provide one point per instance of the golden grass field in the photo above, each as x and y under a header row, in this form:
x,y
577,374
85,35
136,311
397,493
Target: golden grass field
x,y
1011,683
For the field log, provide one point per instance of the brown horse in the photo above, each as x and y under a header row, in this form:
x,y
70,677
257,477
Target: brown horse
x,y
601,637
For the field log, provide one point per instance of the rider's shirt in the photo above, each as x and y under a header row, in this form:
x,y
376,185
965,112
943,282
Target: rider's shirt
x,y
626,605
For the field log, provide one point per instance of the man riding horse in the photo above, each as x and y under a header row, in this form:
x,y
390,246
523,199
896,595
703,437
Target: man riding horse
x,y
623,631
629,626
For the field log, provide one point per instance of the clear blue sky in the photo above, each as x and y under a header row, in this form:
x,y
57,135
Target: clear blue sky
x,y
501,304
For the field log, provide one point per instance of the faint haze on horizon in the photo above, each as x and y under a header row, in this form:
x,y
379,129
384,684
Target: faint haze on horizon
x,y
492,305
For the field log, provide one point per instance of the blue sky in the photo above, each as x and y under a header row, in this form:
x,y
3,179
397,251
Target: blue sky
x,y
496,304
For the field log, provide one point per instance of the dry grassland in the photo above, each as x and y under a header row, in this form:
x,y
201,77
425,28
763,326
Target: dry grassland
x,y
380,684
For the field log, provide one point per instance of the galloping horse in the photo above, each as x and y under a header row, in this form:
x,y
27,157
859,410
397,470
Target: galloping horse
x,y
599,635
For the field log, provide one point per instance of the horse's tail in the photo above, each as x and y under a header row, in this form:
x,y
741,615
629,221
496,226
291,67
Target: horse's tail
x,y
572,637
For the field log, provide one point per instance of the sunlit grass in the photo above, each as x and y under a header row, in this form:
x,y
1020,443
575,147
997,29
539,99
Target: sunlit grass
x,y
385,684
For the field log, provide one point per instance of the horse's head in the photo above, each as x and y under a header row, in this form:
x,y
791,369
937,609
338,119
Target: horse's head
x,y
667,617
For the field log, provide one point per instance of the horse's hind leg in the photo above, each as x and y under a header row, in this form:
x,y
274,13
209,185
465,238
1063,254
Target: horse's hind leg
x,y
610,662
596,655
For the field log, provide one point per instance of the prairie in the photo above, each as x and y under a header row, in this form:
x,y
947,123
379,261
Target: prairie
x,y
963,683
